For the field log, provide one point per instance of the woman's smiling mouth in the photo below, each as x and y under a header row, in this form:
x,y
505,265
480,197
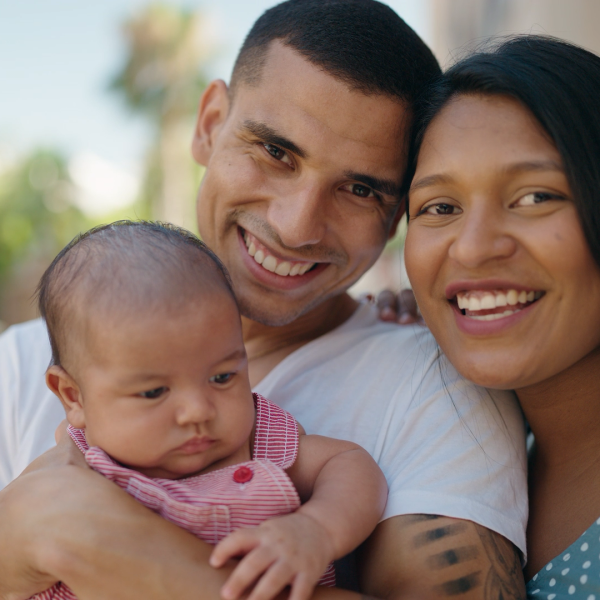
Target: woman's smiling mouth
x,y
490,305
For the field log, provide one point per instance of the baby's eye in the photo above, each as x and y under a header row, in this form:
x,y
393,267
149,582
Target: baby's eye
x,y
155,393
222,378
537,198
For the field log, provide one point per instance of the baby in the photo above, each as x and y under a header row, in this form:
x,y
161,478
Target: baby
x,y
149,363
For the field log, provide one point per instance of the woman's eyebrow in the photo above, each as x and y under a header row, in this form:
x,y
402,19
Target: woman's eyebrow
x,y
430,180
270,136
534,165
513,169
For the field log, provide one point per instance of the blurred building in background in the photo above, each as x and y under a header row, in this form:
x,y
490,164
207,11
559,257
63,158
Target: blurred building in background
x,y
167,53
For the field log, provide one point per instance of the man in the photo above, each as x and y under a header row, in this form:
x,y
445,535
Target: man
x,y
304,153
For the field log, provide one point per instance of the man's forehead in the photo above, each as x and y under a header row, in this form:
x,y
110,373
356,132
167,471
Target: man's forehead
x,y
287,76
300,101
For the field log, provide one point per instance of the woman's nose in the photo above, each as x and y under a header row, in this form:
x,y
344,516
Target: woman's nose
x,y
483,236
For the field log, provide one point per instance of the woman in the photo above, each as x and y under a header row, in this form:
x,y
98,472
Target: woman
x,y
503,252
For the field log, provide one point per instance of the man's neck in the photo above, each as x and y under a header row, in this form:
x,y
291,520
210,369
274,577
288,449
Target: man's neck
x,y
267,345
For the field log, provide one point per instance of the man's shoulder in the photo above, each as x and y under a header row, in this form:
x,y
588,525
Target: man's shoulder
x,y
34,330
26,342
366,335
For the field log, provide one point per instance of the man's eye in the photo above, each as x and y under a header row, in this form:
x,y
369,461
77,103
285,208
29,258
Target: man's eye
x,y
361,191
537,198
277,153
222,378
155,393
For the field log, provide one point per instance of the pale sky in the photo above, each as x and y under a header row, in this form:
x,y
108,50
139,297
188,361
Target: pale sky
x,y
57,57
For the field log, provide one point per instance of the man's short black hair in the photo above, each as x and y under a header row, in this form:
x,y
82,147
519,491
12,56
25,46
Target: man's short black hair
x,y
120,269
363,43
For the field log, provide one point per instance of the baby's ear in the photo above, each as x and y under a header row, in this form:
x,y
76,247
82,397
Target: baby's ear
x,y
68,392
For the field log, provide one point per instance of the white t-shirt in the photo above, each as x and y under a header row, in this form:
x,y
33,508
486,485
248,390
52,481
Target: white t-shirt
x,y
446,446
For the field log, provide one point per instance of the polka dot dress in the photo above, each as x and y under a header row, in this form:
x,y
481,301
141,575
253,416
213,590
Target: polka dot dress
x,y
573,574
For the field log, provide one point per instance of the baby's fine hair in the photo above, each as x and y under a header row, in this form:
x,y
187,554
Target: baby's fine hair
x,y
116,270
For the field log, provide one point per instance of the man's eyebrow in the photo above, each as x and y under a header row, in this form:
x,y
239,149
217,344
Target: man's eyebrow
x,y
384,186
271,136
513,169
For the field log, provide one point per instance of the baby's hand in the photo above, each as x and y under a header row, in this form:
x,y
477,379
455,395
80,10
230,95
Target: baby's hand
x,y
291,550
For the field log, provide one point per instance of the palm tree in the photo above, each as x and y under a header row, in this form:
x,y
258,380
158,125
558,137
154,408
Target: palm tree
x,y
162,78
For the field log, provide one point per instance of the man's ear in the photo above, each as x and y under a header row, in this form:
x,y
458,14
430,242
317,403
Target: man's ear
x,y
400,211
68,392
212,113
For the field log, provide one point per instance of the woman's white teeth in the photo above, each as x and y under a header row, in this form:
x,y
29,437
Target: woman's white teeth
x,y
494,316
476,300
270,263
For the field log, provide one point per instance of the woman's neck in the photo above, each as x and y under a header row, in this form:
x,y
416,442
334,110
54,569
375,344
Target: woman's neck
x,y
564,476
564,414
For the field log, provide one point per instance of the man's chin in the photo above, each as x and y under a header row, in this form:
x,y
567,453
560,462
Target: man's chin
x,y
276,316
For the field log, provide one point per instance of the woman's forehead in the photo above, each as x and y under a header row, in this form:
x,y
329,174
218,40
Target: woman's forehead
x,y
488,129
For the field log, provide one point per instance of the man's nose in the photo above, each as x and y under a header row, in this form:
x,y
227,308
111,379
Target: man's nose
x,y
483,235
299,215
194,407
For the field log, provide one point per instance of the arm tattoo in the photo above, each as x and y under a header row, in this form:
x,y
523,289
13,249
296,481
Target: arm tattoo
x,y
505,576
433,535
502,580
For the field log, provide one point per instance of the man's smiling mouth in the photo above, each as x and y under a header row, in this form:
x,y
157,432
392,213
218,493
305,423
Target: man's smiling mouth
x,y
489,305
264,257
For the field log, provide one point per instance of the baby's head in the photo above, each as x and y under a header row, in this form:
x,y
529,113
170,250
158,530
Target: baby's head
x,y
147,348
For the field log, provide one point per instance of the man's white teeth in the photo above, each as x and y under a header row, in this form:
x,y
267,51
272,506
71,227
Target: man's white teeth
x,y
283,269
476,300
270,263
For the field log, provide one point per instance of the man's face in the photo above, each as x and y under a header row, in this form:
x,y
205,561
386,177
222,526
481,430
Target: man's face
x,y
302,182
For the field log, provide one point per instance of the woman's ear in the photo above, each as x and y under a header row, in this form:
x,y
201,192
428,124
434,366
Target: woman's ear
x,y
212,113
68,392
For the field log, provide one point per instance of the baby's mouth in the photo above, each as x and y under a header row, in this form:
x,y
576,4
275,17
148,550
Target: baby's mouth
x,y
489,305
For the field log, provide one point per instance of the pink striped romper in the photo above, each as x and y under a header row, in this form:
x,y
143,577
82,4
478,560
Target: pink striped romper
x,y
213,505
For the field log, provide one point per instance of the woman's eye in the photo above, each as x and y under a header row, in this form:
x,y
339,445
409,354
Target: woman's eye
x,y
155,393
278,154
537,198
222,378
439,209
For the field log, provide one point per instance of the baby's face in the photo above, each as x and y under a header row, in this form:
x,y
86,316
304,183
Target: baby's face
x,y
168,394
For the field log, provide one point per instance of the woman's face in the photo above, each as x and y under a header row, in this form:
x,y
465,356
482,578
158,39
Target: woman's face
x,y
495,251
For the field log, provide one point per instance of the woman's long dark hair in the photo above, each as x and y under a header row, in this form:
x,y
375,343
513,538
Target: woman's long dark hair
x,y
560,85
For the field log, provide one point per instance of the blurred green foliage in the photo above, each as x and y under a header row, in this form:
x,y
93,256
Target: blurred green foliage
x,y
37,216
